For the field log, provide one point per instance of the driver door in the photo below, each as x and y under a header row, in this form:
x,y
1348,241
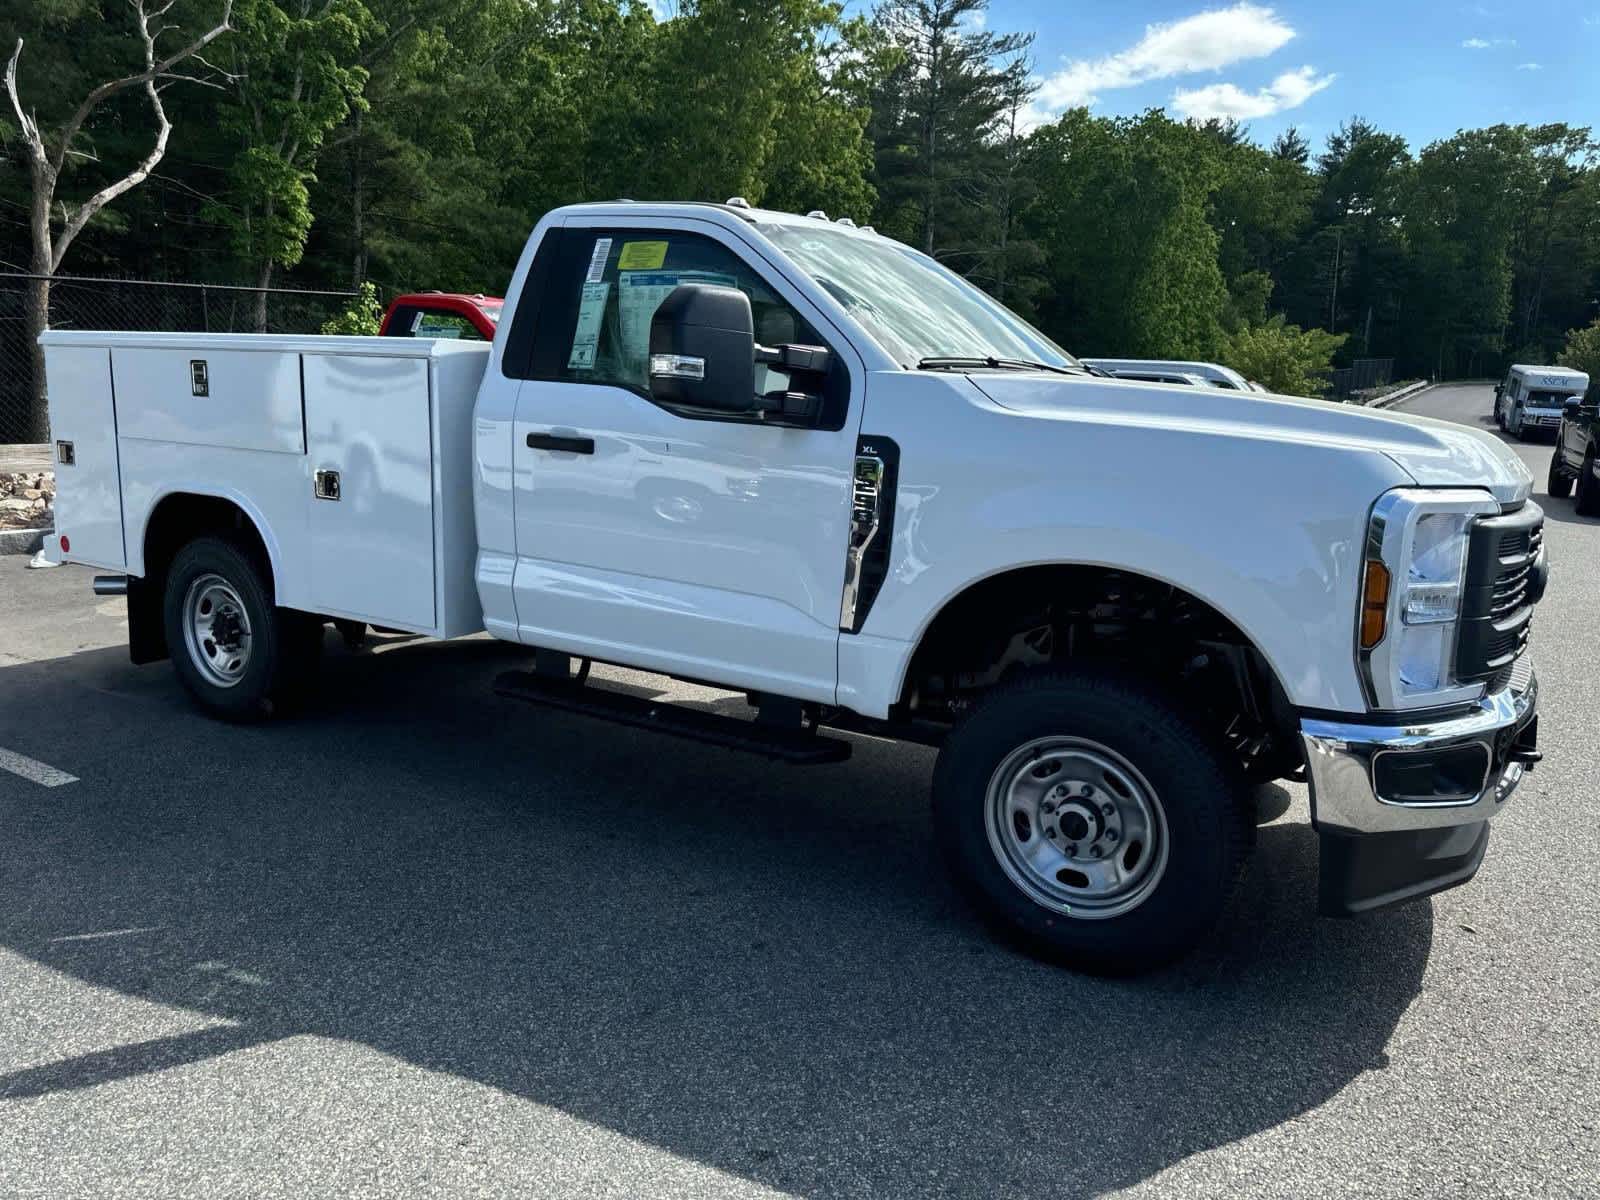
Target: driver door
x,y
704,546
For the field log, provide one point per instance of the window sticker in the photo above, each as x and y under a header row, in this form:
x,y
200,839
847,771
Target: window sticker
x,y
586,337
642,256
597,260
639,294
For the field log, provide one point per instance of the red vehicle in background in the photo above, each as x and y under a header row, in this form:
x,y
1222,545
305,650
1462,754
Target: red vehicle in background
x,y
442,315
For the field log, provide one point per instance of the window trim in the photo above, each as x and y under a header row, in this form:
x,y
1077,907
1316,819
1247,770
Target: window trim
x,y
516,360
578,234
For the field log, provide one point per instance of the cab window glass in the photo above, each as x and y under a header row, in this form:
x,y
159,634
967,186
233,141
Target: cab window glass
x,y
615,280
433,323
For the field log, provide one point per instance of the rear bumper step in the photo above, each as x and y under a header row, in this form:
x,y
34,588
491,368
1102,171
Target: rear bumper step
x,y
786,744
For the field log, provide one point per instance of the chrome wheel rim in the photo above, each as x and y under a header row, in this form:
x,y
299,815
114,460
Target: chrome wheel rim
x,y
1077,827
216,628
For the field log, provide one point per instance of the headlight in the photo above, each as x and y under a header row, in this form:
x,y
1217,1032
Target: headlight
x,y
1410,610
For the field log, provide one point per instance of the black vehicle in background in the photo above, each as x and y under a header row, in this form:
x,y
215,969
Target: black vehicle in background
x,y
1574,462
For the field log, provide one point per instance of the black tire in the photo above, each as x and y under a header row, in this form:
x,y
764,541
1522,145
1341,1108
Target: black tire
x,y
1198,789
1558,483
284,646
1587,494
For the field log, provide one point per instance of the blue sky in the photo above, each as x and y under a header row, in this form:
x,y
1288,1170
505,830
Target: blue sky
x,y
1421,68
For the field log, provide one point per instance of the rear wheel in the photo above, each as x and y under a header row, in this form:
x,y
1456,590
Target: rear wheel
x,y
238,655
1091,818
1558,483
1587,499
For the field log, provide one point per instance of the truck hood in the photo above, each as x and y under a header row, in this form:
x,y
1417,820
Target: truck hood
x,y
1434,453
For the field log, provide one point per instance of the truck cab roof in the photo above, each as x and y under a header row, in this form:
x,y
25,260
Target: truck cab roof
x,y
730,213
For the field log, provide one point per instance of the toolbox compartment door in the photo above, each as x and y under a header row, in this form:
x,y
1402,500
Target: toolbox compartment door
x,y
370,489
83,429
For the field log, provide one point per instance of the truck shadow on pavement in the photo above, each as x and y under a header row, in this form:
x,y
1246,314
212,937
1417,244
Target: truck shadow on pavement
x,y
761,968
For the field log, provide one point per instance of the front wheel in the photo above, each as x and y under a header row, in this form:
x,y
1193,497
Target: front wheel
x,y
1090,817
1514,425
1558,483
238,655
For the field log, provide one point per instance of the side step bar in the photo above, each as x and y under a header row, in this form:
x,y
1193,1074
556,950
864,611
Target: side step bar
x,y
792,745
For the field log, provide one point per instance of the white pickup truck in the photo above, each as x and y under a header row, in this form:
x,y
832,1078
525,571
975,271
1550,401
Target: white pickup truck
x,y
800,460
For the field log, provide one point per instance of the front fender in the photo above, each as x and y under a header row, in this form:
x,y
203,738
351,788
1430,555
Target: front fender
x,y
1266,529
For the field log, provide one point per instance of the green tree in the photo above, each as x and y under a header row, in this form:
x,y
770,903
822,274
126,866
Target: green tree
x,y
1555,248
1360,253
1130,255
1459,219
1283,358
1582,353
143,64
944,111
757,113
1291,146
363,316
298,77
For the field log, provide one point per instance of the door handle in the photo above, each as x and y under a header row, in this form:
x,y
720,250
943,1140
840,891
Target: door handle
x,y
555,441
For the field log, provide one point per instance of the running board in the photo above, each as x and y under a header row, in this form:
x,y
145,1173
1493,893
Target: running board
x,y
801,746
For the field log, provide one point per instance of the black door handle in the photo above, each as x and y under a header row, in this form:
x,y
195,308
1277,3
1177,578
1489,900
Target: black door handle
x,y
554,441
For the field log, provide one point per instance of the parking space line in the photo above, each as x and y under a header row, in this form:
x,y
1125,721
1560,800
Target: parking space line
x,y
32,769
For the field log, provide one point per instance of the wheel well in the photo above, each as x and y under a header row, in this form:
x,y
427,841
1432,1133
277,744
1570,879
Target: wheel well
x,y
175,522
1041,615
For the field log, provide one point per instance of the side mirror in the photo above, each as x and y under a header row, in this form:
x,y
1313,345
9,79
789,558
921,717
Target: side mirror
x,y
702,349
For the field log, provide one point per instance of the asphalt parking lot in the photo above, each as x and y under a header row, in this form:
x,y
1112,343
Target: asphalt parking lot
x,y
420,940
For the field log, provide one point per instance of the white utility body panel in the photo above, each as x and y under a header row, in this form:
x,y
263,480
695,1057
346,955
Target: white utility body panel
x,y
254,419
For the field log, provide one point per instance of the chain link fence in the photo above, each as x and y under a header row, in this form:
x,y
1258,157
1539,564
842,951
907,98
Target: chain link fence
x,y
135,305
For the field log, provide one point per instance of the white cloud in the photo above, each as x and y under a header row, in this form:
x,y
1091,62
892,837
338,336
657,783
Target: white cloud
x,y
1207,41
1229,100
1530,66
1475,44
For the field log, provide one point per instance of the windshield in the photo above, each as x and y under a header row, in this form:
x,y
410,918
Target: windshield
x,y
1547,399
910,305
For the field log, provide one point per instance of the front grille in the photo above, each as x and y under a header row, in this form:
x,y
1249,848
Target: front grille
x,y
1503,574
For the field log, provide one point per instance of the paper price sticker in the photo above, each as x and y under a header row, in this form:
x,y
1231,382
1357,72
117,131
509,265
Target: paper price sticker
x,y
642,256
586,336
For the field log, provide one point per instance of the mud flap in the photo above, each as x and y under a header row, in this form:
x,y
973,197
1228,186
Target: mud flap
x,y
1361,873
147,635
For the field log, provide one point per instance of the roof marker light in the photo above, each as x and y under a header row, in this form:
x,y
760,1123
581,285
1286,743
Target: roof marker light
x,y
818,214
846,222
737,202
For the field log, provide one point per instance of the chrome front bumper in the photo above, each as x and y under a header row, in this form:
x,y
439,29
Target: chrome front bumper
x,y
1342,762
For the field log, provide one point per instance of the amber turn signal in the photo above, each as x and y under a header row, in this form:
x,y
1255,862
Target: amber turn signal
x,y
1374,603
